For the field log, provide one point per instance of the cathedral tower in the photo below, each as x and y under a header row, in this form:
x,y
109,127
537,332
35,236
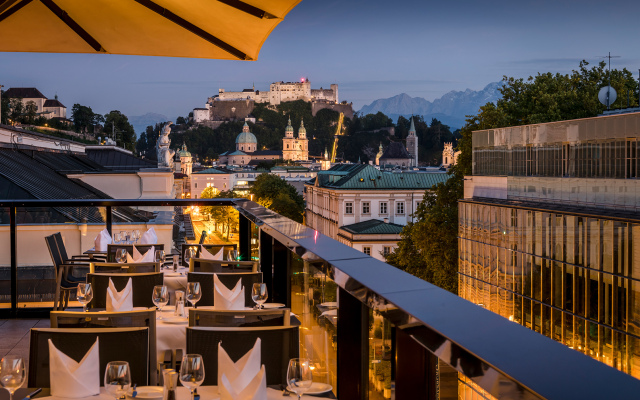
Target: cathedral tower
x,y
412,144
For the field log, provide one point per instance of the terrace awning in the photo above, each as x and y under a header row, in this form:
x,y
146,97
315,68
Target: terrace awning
x,y
219,29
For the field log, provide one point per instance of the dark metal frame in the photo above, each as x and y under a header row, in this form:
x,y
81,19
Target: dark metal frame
x,y
504,358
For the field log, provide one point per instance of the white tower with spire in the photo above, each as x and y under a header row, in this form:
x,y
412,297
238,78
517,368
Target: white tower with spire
x,y
412,144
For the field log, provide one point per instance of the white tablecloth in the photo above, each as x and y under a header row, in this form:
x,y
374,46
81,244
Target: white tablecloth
x,y
173,282
170,336
205,392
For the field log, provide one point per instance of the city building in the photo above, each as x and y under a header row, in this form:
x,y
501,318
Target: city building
x,y
295,149
48,108
396,155
550,232
412,144
246,152
282,91
449,157
348,194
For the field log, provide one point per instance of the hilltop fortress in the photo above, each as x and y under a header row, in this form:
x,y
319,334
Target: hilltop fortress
x,y
227,106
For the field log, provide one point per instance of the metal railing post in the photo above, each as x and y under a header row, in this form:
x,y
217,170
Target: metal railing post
x,y
353,347
109,220
244,238
14,260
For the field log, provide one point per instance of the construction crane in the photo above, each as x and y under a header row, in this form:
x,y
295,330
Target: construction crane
x,y
335,138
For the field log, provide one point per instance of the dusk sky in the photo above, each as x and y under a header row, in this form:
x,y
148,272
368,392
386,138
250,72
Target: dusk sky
x,y
372,49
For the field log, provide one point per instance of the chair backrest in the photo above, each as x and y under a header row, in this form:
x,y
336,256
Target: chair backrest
x,y
278,345
142,287
52,245
212,248
229,280
116,344
142,248
124,268
61,248
219,266
124,319
244,319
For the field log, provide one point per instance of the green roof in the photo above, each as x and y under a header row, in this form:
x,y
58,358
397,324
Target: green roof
x,y
362,176
373,226
214,171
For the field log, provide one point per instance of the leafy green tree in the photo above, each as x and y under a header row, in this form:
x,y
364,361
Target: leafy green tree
x,y
17,109
117,122
4,108
84,118
30,110
275,193
224,216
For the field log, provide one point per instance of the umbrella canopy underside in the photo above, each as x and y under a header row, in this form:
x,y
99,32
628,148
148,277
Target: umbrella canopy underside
x,y
219,29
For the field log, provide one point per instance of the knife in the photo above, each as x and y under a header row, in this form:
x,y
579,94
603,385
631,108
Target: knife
x,y
30,395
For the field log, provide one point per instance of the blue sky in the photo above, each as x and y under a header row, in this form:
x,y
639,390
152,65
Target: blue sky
x,y
372,49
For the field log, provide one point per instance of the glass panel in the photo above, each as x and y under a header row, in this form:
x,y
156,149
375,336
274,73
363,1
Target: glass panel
x,y
380,356
5,260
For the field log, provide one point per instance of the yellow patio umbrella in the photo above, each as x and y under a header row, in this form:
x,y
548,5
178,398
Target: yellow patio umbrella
x,y
220,29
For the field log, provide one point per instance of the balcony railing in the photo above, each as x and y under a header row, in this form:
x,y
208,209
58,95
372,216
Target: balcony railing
x,y
390,327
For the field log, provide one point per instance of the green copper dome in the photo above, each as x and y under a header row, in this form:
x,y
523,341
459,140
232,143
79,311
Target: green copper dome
x,y
302,130
245,136
289,128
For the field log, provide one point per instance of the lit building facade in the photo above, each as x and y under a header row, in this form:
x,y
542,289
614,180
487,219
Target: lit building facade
x,y
549,232
295,149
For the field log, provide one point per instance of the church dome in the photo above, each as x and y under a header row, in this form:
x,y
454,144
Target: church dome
x,y
183,152
245,136
302,132
289,129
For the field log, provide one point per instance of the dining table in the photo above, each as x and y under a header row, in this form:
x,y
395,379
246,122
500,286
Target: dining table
x,y
175,280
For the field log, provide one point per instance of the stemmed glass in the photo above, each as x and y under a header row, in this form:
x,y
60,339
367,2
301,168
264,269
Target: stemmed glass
x,y
84,294
12,374
136,235
121,255
259,294
192,372
117,378
299,376
189,254
235,255
160,298
160,258
117,238
193,293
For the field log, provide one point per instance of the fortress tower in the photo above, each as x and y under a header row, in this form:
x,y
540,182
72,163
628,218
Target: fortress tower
x,y
412,144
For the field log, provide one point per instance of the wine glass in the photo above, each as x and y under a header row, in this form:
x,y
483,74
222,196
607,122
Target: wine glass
x,y
192,372
259,294
235,255
12,374
160,258
117,238
189,254
136,235
193,293
117,378
121,255
84,294
299,376
160,298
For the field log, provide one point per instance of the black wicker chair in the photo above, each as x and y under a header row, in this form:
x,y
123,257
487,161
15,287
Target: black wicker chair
x,y
279,345
123,319
142,248
240,319
229,280
116,344
124,268
142,287
64,287
211,248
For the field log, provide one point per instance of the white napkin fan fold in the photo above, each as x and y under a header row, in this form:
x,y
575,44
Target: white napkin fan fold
x,y
72,379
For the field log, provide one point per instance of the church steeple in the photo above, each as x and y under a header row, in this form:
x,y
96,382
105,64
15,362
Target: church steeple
x,y
412,128
302,132
288,131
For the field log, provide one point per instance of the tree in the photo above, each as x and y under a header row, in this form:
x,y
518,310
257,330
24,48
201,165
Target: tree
x,y
118,123
225,216
84,119
428,247
4,108
30,111
276,194
17,109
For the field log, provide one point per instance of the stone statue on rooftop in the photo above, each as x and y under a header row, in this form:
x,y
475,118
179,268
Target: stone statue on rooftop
x,y
165,154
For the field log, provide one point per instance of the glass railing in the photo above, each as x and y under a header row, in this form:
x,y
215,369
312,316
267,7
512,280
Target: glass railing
x,y
371,330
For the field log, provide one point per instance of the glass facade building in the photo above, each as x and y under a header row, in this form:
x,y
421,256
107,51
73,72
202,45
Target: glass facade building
x,y
568,268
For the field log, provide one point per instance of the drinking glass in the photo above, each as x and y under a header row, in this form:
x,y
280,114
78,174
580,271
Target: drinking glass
x,y
259,294
136,235
192,372
160,298
128,237
299,378
121,255
117,378
189,254
84,294
123,237
117,238
193,293
160,258
12,374
235,255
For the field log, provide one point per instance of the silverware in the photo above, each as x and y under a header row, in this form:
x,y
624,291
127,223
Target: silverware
x,y
30,395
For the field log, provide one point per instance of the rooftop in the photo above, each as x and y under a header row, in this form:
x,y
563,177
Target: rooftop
x,y
24,93
53,103
362,176
114,159
373,226
395,150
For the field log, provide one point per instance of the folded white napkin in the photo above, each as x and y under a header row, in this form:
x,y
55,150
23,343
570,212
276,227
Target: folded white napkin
x,y
102,240
71,379
149,237
225,299
244,379
119,301
204,254
149,256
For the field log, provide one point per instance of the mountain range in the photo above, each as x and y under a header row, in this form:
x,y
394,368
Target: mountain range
x,y
450,109
140,122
